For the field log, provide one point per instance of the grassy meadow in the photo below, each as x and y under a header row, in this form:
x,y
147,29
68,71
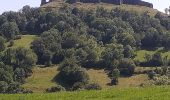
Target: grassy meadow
x,y
41,79
147,93
140,54
24,42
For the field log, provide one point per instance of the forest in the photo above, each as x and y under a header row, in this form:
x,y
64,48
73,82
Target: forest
x,y
79,39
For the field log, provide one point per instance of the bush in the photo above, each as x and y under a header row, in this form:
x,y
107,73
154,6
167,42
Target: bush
x,y
93,86
57,88
151,74
127,67
14,88
71,74
115,73
11,43
78,86
2,44
3,86
17,37
114,81
27,91
161,80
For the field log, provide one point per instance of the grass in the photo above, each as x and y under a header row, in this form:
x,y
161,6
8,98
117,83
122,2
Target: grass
x,y
147,93
41,79
24,42
139,9
133,81
140,54
100,77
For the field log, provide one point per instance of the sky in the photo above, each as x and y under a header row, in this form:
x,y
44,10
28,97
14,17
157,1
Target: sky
x,y
15,5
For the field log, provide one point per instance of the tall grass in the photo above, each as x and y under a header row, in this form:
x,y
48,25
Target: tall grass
x,y
147,93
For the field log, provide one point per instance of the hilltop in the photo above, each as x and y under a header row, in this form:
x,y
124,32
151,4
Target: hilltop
x,y
56,4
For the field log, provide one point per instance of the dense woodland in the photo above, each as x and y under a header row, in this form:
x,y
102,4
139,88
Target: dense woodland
x,y
77,39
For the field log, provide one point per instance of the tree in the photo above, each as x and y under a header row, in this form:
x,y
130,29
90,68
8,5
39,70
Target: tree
x,y
47,56
22,60
111,54
2,44
127,67
9,30
3,87
69,72
127,39
128,51
167,11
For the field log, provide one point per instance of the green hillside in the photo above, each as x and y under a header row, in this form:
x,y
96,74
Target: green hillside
x,y
85,51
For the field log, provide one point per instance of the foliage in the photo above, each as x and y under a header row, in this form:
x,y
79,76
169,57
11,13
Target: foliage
x,y
126,67
115,73
9,30
57,88
162,80
93,86
78,39
156,59
2,44
114,81
16,66
69,72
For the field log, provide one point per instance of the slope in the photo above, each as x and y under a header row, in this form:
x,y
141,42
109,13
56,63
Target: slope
x,y
139,9
24,42
41,79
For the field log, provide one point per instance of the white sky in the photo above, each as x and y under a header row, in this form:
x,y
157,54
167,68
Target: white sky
x,y
15,5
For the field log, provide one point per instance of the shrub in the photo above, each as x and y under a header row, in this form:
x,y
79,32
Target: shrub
x,y
151,74
71,74
161,80
2,44
93,86
11,43
14,87
78,86
17,37
115,73
3,86
114,81
27,91
127,67
57,88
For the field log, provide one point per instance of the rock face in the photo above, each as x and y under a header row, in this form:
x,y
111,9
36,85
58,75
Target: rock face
x,y
117,2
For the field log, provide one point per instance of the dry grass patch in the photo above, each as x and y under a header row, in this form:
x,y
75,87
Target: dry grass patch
x,y
100,77
133,81
41,79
